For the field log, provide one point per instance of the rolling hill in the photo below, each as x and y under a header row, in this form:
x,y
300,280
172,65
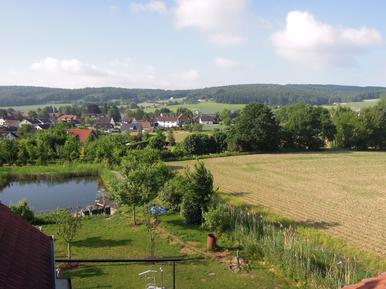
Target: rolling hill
x,y
270,94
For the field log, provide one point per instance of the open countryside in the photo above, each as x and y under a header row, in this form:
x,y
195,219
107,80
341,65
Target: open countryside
x,y
343,193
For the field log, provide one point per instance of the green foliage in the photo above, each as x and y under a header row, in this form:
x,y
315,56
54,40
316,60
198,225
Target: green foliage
x,y
172,193
270,94
68,225
308,127
158,141
71,149
171,138
217,219
256,129
198,194
198,144
141,184
23,210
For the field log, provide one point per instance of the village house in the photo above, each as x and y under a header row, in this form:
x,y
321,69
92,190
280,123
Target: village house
x,y
27,255
6,133
170,121
104,123
207,119
71,118
25,122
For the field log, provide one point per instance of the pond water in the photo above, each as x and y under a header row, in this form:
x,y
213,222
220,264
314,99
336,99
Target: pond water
x,y
46,195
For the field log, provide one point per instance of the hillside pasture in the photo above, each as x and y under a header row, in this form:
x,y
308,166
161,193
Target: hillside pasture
x,y
342,193
201,107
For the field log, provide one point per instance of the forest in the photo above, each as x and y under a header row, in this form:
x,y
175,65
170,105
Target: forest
x,y
269,94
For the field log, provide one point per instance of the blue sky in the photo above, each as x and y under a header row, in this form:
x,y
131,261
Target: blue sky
x,y
191,43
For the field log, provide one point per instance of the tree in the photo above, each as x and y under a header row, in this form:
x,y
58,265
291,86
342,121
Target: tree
x,y
198,144
141,183
308,127
115,113
67,227
71,148
185,111
171,139
350,131
158,141
23,210
173,192
256,129
198,194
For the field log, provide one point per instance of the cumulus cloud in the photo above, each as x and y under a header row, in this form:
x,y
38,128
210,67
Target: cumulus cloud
x,y
73,73
70,66
221,20
226,63
314,43
156,6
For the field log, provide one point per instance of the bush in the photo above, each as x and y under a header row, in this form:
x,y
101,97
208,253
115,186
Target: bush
x,y
172,193
218,219
198,194
23,210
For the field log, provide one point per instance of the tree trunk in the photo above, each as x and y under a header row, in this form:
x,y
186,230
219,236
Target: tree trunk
x,y
68,250
134,219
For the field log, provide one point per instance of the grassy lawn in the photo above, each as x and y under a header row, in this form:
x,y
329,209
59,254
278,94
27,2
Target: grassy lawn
x,y
203,107
113,237
357,105
341,193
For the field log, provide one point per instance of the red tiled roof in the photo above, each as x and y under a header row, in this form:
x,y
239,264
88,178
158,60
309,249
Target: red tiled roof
x,y
25,254
372,283
82,134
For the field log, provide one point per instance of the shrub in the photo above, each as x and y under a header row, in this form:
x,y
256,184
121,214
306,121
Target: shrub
x,y
218,219
23,210
172,193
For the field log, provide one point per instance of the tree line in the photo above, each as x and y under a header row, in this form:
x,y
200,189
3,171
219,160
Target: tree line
x,y
270,94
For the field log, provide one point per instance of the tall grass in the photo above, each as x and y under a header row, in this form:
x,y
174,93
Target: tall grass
x,y
309,264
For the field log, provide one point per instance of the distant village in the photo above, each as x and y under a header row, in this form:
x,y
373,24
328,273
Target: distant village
x,y
93,120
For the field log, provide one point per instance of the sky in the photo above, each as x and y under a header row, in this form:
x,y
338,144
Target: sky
x,y
181,44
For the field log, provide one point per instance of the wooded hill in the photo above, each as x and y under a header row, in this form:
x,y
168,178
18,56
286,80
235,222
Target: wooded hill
x,y
270,94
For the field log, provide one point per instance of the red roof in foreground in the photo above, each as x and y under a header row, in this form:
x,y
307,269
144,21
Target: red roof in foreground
x,y
82,134
25,254
372,283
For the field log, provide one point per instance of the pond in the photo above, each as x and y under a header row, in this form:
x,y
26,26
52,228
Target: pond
x,y
51,194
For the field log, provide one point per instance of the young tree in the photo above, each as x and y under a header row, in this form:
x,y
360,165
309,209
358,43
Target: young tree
x,y
198,194
67,227
141,184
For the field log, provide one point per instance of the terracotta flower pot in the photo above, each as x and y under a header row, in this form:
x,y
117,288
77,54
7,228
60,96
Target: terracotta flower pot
x,y
211,243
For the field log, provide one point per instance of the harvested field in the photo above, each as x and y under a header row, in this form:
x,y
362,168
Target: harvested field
x,y
343,193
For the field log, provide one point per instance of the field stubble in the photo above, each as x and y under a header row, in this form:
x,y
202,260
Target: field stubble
x,y
343,193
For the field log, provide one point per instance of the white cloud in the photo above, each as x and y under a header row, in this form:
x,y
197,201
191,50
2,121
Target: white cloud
x,y
156,6
73,73
226,63
70,66
314,43
221,20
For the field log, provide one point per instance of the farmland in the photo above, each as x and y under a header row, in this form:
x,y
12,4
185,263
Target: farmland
x,y
203,107
342,193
